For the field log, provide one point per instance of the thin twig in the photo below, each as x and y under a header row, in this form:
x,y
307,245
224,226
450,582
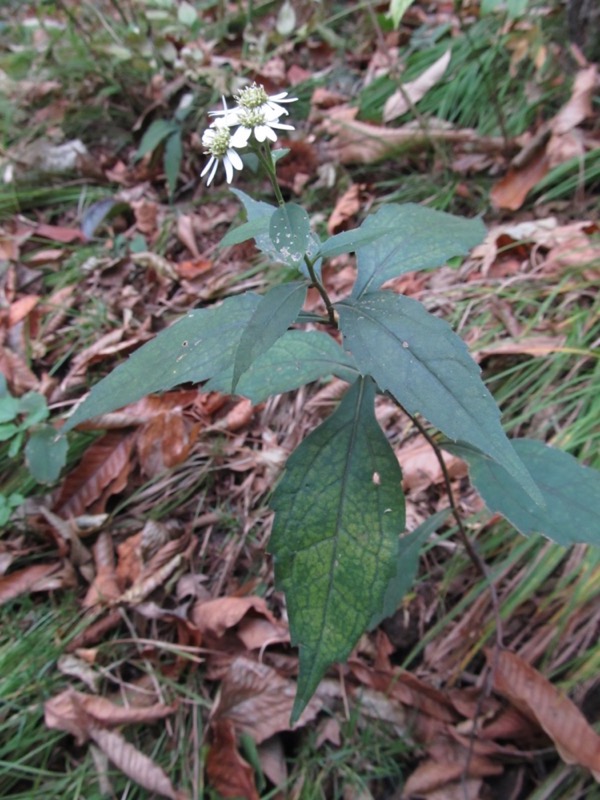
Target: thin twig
x,y
483,569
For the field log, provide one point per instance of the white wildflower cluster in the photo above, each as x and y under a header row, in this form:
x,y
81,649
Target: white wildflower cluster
x,y
254,115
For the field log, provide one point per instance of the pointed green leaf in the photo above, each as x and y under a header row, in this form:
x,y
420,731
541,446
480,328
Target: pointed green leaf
x,y
195,348
156,133
172,161
397,10
289,230
46,454
249,230
277,309
295,359
339,512
412,237
407,565
427,368
402,238
571,492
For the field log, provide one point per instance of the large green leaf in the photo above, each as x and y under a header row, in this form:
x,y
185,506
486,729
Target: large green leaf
x,y
277,309
289,229
410,237
427,368
195,348
339,512
298,357
570,490
407,565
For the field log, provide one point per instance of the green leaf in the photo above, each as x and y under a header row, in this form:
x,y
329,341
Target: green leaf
x,y
411,237
9,407
427,368
8,430
407,565
158,131
46,454
297,358
277,309
289,229
348,241
279,153
401,238
195,348
339,512
187,14
34,408
172,161
286,19
570,490
249,230
259,212
397,10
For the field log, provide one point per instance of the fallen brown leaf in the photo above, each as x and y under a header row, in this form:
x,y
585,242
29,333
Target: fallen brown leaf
x,y
36,578
215,617
87,717
511,190
357,142
258,700
137,766
448,762
105,587
346,208
227,771
74,712
527,689
403,99
98,474
530,346
21,308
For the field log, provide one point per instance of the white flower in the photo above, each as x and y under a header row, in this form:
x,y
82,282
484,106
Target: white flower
x,y
257,121
220,145
255,98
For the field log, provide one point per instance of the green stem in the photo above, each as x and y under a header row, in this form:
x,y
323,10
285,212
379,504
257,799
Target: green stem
x,y
266,159
321,290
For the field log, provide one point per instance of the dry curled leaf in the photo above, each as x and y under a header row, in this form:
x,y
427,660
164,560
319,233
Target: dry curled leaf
x,y
134,764
527,689
75,713
36,578
227,771
410,93
258,700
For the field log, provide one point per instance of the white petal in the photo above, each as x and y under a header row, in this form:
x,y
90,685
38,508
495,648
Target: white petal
x,y
228,169
208,166
270,133
212,172
281,126
240,137
235,159
260,132
279,110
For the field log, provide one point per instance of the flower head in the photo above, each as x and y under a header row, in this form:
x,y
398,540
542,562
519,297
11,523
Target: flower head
x,y
255,98
258,122
220,144
255,114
